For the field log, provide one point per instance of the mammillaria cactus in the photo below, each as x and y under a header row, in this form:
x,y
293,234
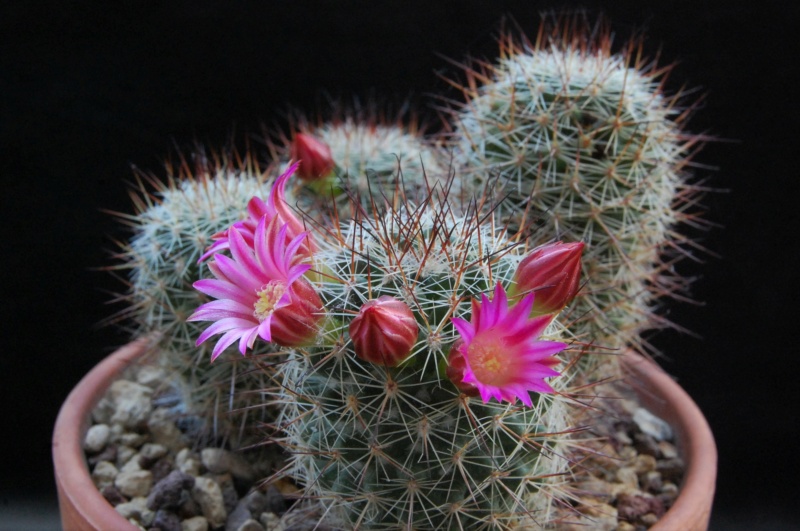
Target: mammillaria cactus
x,y
377,431
586,144
410,302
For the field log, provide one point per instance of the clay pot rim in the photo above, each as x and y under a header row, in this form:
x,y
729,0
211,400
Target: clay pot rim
x,y
694,438
81,502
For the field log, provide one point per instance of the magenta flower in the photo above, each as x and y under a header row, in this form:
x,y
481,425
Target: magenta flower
x,y
500,352
260,291
274,207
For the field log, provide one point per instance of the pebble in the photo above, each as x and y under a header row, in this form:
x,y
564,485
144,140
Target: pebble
x,y
104,474
163,429
187,462
249,525
271,522
113,495
134,483
131,402
124,455
166,521
208,494
136,509
171,492
218,461
97,438
652,425
196,523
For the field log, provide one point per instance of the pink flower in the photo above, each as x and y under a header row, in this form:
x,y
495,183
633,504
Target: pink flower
x,y
314,156
503,357
260,291
553,272
274,207
384,331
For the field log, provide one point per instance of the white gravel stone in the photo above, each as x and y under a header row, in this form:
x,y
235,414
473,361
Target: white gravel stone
x,y
124,455
131,465
187,462
219,461
134,483
208,495
136,510
152,451
196,523
151,376
96,438
131,402
271,522
652,425
104,474
163,430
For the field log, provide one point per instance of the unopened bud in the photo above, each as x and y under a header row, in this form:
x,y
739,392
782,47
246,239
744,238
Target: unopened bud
x,y
553,273
298,323
456,364
384,331
314,155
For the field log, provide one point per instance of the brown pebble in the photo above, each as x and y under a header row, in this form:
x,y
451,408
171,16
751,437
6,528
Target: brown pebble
x,y
113,495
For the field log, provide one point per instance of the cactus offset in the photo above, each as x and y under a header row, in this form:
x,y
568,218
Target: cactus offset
x,y
586,144
172,228
372,161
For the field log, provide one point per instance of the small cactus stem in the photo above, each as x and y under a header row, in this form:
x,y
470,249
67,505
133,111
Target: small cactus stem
x,y
587,145
400,447
171,227
367,155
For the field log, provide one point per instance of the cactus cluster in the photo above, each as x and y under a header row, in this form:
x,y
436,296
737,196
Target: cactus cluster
x,y
397,286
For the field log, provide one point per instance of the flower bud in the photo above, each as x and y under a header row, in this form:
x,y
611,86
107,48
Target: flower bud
x,y
384,331
456,364
297,324
552,272
314,155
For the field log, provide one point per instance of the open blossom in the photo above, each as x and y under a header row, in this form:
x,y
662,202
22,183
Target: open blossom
x,y
553,271
314,156
260,291
384,331
274,207
500,353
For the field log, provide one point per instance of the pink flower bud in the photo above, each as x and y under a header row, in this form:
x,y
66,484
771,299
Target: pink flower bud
x,y
314,155
384,331
552,272
298,323
456,365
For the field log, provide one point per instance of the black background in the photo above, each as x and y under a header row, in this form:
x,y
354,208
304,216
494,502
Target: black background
x,y
88,89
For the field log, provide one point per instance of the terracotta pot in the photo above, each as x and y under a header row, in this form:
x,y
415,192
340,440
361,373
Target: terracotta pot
x,y
84,508
660,394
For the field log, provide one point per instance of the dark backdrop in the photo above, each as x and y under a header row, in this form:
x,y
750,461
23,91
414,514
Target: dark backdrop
x,y
88,89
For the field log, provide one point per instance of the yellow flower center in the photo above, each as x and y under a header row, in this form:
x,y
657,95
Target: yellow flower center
x,y
268,297
488,360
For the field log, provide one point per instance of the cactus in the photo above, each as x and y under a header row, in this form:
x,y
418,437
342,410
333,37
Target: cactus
x,y
588,145
172,227
396,445
382,400
371,160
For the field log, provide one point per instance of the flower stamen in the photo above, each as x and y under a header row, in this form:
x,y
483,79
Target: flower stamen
x,y
268,297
